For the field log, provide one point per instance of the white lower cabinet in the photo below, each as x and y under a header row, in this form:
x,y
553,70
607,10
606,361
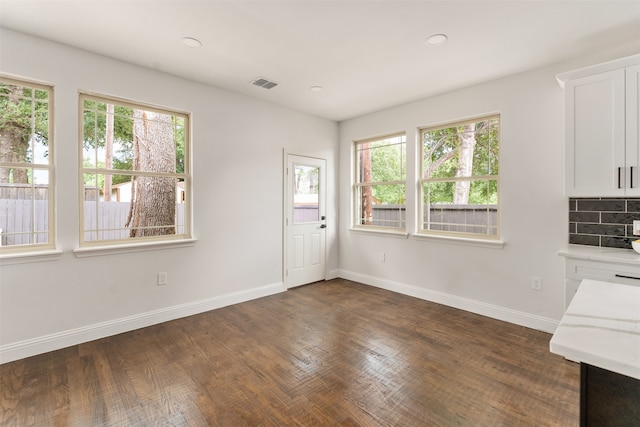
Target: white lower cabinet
x,y
577,269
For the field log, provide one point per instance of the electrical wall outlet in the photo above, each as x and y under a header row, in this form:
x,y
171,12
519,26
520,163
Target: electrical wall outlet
x,y
536,283
383,257
636,228
162,278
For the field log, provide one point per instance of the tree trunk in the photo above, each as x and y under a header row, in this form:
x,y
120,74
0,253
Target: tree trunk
x,y
465,164
153,198
366,201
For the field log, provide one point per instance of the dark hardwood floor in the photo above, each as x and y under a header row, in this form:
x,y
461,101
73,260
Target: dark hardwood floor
x,y
334,353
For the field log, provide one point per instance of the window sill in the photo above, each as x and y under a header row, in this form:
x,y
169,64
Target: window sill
x,y
27,257
485,243
382,232
90,251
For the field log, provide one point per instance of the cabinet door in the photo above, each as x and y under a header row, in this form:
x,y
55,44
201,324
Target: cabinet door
x,y
633,129
595,133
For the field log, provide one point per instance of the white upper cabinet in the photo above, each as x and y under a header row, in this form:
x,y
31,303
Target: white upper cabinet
x,y
601,119
633,126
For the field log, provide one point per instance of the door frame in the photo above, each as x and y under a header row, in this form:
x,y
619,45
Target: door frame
x,y
285,209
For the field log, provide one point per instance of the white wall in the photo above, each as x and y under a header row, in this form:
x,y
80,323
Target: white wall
x,y
534,210
237,147
237,172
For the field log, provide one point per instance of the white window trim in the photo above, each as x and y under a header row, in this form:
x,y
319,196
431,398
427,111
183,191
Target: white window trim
x,y
100,250
386,232
31,256
467,241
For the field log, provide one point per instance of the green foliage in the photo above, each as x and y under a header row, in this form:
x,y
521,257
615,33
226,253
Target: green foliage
x,y
388,164
94,135
24,113
441,151
389,194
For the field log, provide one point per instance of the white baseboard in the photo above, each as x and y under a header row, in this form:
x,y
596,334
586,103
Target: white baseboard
x,y
56,341
332,274
494,311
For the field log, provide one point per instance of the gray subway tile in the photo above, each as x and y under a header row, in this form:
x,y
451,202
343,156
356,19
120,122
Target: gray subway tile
x,y
584,217
603,205
616,242
602,229
602,221
619,218
583,239
633,205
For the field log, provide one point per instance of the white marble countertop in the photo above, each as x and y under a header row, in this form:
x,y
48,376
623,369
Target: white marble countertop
x,y
601,327
596,253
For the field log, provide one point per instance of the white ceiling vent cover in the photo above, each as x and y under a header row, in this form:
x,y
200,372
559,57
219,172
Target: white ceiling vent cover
x,y
265,83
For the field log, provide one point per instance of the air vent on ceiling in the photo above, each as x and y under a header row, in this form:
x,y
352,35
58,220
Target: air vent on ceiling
x,y
262,82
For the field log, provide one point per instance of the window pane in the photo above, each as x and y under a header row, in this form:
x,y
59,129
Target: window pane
x,y
41,209
305,194
24,207
465,150
179,137
119,149
382,160
107,215
486,153
108,137
24,114
381,205
442,214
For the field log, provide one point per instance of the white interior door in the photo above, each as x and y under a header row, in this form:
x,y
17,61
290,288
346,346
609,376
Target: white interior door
x,y
305,220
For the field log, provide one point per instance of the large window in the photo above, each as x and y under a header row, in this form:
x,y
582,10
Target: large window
x,y
460,179
380,182
26,166
134,176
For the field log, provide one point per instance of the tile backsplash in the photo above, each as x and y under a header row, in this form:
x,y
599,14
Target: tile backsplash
x,y
603,221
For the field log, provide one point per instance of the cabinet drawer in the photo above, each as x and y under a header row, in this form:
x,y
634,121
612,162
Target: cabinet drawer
x,y
626,274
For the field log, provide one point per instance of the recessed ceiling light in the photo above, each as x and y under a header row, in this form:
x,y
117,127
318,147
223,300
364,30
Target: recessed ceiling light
x,y
191,42
316,88
435,39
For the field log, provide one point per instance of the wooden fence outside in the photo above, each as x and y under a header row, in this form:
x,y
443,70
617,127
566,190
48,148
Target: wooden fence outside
x,y
26,222
481,219
23,222
24,191
459,218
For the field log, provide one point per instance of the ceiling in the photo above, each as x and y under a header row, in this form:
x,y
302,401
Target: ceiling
x,y
367,55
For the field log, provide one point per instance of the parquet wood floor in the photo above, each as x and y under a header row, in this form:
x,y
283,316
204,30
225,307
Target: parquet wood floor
x,y
334,353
